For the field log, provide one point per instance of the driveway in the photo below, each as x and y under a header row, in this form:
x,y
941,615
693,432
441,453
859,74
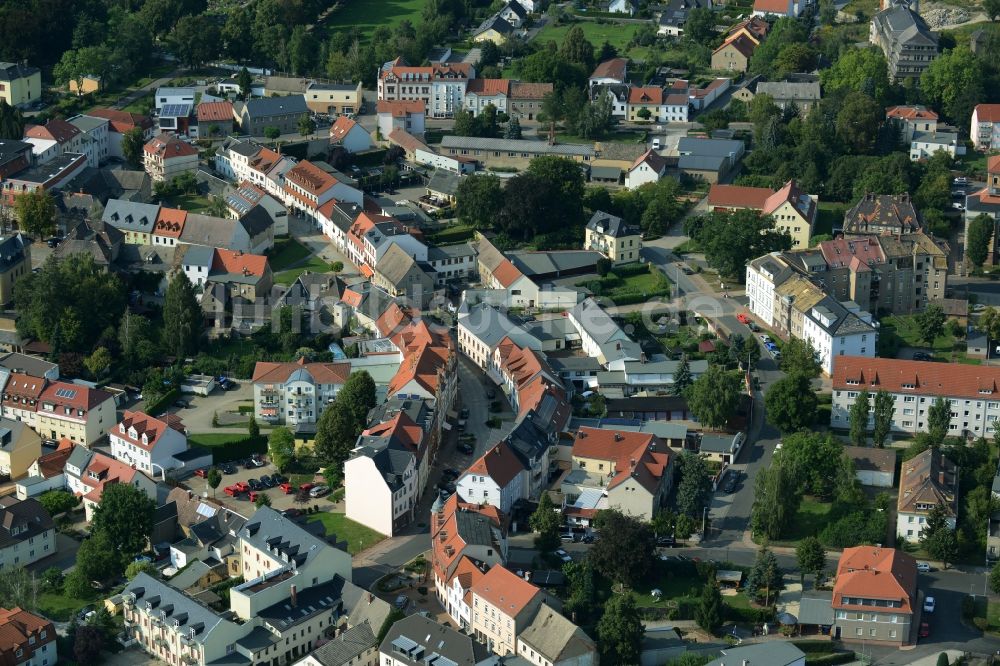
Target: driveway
x,y
64,558
198,417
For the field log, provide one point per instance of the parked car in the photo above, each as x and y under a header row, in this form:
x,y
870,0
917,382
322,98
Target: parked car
x,y
307,487
267,481
753,327
287,488
182,404
201,473
319,491
925,629
563,555
960,180
464,414
731,482
923,567
589,538
929,604
922,356
228,468
567,536
765,338
255,484
742,318
466,449
279,479
666,541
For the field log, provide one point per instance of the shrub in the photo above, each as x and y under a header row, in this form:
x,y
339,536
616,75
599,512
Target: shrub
x,y
828,659
157,407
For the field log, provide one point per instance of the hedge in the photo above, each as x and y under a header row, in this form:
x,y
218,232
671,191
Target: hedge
x,y
237,449
812,646
159,406
828,659
751,615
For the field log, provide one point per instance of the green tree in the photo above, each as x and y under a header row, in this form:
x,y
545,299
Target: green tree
x,y
245,81
340,423
58,501
995,578
817,463
125,518
253,429
977,245
577,50
281,447
546,521
306,124
939,420
700,26
137,567
731,239
765,574
708,614
582,597
682,378
478,201
629,565
271,133
992,9
859,70
776,499
858,122
714,396
262,499
884,408
337,267
810,556
18,588
11,122
953,83
859,418
791,403
943,660
196,39
513,128
182,317
98,363
695,486
88,642
937,538
36,212
52,579
930,322
620,631
214,479
793,58
132,144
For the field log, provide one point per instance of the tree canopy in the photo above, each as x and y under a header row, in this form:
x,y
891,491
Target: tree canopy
x,y
731,239
714,396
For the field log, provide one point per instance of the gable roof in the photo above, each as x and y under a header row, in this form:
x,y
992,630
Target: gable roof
x,y
928,479
167,146
773,6
310,177
737,196
988,113
645,95
266,107
555,638
144,424
505,590
499,463
912,112
170,222
867,572
322,373
637,455
741,43
614,68
488,87
210,111
399,108
237,262
951,380
342,127
55,129
652,159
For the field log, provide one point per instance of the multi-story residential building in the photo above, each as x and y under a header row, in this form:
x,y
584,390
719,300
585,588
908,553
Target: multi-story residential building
x,y
650,167
552,640
295,394
405,115
799,95
793,211
28,639
21,393
15,263
52,175
911,119
15,156
27,532
147,443
926,481
215,119
296,589
503,605
526,99
440,85
734,54
20,84
167,156
874,596
74,411
87,473
985,127
350,135
601,337
632,470
452,263
334,98
609,72
95,138
612,237
480,93
657,105
498,477
511,153
283,113
908,44
915,385
418,641
307,187
119,124
924,145
401,276
20,446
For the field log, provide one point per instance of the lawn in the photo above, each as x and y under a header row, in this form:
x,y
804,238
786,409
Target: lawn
x,y
626,136
903,328
60,606
630,287
617,34
359,14
212,439
830,214
192,203
357,536
456,233
809,520
290,258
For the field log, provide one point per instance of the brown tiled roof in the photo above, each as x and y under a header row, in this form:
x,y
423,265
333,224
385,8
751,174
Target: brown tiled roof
x,y
143,424
611,69
122,121
737,196
741,43
21,631
56,130
237,261
841,252
773,6
633,454
645,95
950,380
167,146
869,459
911,112
209,111
400,107
75,396
652,158
52,464
988,113
342,127
867,572
170,222
310,177
507,273
928,479
506,590
499,463
488,87
324,373
519,90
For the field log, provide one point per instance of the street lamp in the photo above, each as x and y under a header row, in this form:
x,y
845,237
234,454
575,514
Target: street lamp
x,y
704,516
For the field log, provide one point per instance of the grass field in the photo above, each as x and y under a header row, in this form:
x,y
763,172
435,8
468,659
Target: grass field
x,y
809,520
192,203
60,606
945,347
618,35
290,259
359,14
211,439
828,214
357,536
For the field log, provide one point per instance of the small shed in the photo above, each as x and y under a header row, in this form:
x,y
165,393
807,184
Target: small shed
x,y
706,346
816,612
977,345
727,578
873,467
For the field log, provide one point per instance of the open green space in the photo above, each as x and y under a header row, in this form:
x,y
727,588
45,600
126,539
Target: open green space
x,y
192,203
902,331
59,606
828,215
628,136
812,516
617,34
360,14
290,258
450,235
627,285
212,439
357,536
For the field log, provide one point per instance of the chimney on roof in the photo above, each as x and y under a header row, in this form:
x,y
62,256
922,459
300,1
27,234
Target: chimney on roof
x,y
618,437
293,592
941,477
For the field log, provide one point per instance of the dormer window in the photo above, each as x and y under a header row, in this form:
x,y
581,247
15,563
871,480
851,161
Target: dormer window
x,y
909,387
145,438
121,428
853,382
985,391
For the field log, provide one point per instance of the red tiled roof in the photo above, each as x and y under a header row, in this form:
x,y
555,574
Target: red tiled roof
x,y
611,69
741,43
988,113
75,396
168,146
143,424
237,261
392,320
170,222
342,127
951,380
400,107
53,464
505,590
507,273
56,130
841,252
21,635
451,70
406,141
772,6
209,111
911,112
278,373
499,463
310,177
645,95
652,158
634,455
23,391
928,479
122,121
737,196
993,164
107,470
447,542
488,87
868,572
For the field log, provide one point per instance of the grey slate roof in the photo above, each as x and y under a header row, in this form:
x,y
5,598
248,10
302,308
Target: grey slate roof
x,y
198,255
488,324
815,608
12,251
554,263
31,365
130,215
266,107
152,593
709,147
610,225
346,647
417,641
772,653
444,181
440,253
790,90
555,637
312,601
209,231
268,527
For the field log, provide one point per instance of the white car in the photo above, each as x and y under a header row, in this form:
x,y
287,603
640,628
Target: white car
x,y
765,338
929,604
563,555
958,206
923,567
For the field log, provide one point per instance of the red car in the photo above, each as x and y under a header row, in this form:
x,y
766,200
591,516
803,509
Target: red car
x,y
201,472
306,486
925,630
286,488
743,319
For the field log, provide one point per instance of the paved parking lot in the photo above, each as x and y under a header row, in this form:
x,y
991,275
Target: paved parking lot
x,y
279,500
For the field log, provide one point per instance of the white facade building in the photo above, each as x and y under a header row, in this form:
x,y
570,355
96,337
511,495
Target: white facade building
x,y
146,443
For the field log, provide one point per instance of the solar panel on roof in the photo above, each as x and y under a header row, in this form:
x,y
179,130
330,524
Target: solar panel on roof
x,y
69,394
175,110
